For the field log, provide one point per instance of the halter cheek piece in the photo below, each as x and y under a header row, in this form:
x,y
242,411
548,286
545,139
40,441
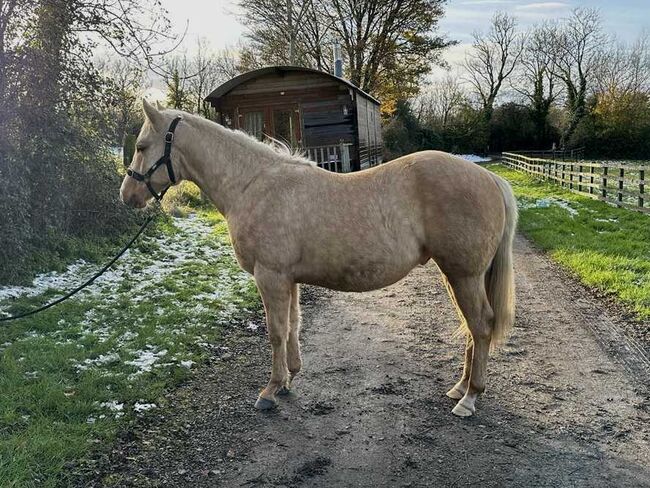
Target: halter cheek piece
x,y
165,159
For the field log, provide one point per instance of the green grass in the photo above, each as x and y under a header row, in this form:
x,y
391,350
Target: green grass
x,y
60,370
608,248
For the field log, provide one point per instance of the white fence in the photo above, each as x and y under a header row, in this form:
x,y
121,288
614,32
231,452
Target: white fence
x,y
332,158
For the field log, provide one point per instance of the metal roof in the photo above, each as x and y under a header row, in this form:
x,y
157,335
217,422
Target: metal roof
x,y
279,70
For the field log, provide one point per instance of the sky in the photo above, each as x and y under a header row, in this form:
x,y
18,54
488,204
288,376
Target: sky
x,y
218,22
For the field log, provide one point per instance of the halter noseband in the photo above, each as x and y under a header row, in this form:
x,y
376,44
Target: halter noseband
x,y
165,159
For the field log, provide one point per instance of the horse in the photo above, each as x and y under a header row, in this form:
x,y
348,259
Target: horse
x,y
292,223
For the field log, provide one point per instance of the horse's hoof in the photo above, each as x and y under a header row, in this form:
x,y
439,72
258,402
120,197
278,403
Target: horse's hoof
x,y
461,410
284,391
455,394
265,404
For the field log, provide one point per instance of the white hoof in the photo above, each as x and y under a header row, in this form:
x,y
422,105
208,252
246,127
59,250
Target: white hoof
x,y
461,410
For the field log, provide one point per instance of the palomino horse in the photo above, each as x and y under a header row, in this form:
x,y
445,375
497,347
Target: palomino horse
x,y
291,222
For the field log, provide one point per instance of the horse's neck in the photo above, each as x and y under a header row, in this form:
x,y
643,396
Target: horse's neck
x,y
222,166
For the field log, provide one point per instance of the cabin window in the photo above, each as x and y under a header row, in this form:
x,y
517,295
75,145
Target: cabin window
x,y
254,123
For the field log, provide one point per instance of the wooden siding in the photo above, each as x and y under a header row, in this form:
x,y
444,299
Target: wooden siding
x,y
327,122
369,133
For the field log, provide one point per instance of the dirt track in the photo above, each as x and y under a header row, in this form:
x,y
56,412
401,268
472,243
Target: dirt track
x,y
562,408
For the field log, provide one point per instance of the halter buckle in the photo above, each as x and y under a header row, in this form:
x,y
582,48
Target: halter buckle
x,y
169,137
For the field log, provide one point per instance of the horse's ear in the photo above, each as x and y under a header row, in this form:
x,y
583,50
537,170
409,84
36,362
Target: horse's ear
x,y
152,113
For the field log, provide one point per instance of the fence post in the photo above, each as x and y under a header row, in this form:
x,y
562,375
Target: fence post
x,y
579,177
641,187
345,157
604,182
571,176
591,179
621,177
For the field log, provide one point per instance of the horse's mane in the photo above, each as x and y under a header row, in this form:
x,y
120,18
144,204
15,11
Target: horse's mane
x,y
269,147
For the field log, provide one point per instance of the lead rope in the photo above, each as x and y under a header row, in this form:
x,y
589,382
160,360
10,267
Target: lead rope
x,y
88,282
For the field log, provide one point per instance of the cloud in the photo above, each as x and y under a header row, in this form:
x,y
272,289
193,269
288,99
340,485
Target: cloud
x,y
543,6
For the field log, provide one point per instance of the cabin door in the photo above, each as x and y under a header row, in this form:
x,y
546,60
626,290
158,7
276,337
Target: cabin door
x,y
286,125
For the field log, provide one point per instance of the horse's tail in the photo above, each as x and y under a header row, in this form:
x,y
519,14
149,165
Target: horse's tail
x,y
500,278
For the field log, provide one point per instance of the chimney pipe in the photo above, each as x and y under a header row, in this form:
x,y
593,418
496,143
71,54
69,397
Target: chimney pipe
x,y
338,61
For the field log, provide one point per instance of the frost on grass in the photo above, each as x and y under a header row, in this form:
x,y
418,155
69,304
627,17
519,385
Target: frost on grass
x,y
548,202
165,255
155,299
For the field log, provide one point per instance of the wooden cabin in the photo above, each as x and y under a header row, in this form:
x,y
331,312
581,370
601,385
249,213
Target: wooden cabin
x,y
334,122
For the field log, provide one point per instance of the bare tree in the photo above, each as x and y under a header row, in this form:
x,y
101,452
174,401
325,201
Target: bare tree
x,y
285,32
388,44
624,69
126,85
493,58
207,70
576,45
439,103
535,78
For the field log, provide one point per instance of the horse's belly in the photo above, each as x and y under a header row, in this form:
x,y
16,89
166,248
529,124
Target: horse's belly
x,y
361,275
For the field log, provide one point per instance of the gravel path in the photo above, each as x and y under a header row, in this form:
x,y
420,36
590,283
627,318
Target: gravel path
x,y
567,401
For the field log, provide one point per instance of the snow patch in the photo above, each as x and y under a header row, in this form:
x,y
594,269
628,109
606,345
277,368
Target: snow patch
x,y
145,359
113,406
143,407
100,360
474,158
547,202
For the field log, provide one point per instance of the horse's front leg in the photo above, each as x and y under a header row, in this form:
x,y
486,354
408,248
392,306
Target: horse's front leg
x,y
275,289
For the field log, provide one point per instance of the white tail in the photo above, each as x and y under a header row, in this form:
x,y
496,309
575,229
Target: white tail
x,y
500,279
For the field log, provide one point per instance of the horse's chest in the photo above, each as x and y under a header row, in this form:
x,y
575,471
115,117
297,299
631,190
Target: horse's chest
x,y
244,254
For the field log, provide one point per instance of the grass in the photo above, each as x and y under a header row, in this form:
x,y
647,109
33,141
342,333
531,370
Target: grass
x,y
75,375
608,248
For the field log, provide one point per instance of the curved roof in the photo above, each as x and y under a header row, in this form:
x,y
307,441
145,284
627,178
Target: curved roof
x,y
279,70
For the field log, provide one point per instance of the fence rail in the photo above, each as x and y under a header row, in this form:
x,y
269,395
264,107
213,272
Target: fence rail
x,y
623,185
555,154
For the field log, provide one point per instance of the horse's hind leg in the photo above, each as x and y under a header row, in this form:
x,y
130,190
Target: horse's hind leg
x,y
472,300
460,388
294,361
275,290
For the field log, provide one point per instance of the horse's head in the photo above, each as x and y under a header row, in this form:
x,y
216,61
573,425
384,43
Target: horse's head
x,y
155,164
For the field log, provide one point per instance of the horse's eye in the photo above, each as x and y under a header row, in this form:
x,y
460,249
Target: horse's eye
x,y
140,148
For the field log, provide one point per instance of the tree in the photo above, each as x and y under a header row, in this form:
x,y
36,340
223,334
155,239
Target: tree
x,y
388,45
177,76
576,48
441,101
125,88
208,70
57,99
492,60
535,79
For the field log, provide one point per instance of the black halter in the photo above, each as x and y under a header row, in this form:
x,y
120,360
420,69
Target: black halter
x,y
165,159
